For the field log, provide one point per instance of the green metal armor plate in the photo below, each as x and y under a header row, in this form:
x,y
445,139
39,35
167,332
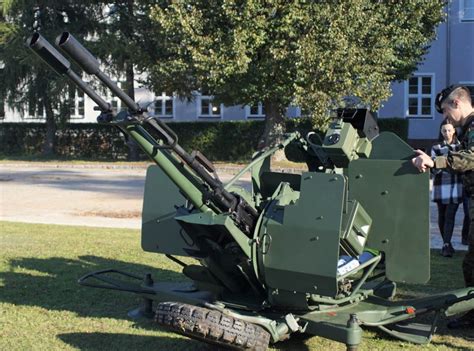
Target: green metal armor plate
x,y
299,246
396,195
160,231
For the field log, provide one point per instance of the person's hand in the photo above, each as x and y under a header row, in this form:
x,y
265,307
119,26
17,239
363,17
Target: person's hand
x,y
422,161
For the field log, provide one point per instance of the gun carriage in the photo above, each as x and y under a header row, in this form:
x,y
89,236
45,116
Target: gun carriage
x,y
317,253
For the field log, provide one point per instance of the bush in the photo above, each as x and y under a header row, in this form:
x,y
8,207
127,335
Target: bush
x,y
223,141
398,126
218,141
75,141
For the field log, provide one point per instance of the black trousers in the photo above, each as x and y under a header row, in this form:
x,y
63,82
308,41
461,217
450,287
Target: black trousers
x,y
446,219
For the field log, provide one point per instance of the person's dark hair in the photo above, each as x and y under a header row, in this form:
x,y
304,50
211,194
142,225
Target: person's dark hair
x,y
440,136
450,93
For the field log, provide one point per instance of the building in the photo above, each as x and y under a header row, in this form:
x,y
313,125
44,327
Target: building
x,y
449,61
165,106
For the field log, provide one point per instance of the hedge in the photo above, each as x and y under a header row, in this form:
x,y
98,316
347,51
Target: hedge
x,y
221,141
227,141
398,126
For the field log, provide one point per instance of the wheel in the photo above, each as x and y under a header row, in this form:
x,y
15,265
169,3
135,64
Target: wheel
x,y
211,326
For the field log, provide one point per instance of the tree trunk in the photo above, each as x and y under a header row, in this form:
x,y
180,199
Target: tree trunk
x,y
274,128
49,144
133,154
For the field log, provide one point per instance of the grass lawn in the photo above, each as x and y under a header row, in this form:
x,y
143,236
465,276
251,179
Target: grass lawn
x,y
43,308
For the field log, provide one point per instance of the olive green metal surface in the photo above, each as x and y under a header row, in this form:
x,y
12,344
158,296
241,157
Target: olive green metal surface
x,y
160,231
396,196
300,241
176,172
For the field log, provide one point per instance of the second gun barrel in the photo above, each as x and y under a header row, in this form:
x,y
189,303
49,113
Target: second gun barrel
x,y
89,63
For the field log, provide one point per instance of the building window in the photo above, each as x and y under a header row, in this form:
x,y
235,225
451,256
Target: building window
x,y
467,10
164,105
36,110
77,104
255,111
420,96
207,108
114,101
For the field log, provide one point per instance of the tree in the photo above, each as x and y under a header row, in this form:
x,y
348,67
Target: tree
x,y
308,53
28,84
115,31
124,44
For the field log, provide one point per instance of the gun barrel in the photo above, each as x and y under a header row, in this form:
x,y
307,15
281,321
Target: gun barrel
x,y
48,53
40,46
75,49
206,192
89,63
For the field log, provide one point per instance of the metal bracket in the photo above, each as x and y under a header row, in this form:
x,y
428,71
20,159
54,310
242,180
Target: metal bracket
x,y
115,284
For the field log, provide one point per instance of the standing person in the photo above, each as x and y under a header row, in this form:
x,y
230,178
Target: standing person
x,y
447,187
455,104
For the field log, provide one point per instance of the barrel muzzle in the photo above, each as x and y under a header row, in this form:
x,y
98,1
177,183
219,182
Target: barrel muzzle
x,y
78,53
48,53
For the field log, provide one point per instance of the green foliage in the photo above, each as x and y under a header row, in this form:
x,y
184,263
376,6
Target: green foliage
x,y
312,54
109,29
25,79
84,140
398,126
223,141
28,85
123,44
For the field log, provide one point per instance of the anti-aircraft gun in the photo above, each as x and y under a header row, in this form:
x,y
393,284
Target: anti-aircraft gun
x,y
317,253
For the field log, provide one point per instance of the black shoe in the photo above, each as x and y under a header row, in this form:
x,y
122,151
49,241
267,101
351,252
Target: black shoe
x,y
451,250
446,251
466,321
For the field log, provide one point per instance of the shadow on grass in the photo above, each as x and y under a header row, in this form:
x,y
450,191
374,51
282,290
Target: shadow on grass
x,y
295,343
51,283
114,341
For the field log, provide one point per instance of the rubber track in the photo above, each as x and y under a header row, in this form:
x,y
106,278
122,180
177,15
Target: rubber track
x,y
211,326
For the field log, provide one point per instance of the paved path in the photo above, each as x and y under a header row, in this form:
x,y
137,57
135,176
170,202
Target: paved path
x,y
74,194
99,196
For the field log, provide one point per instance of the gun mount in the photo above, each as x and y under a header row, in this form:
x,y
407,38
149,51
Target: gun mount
x,y
317,253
